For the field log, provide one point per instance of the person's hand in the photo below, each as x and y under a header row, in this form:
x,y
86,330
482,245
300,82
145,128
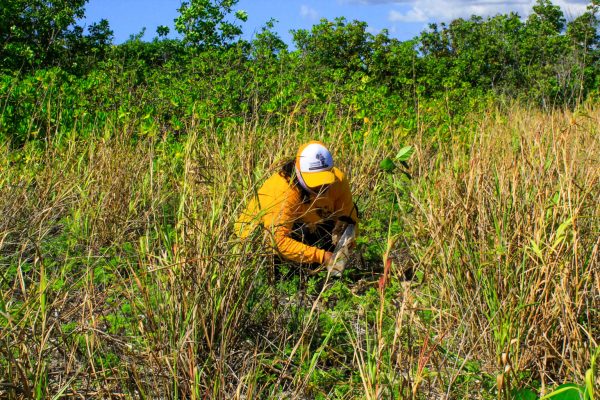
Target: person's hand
x,y
328,258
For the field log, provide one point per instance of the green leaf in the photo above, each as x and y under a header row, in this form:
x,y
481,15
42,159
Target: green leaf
x,y
536,249
567,391
589,384
523,394
405,153
561,232
387,165
241,15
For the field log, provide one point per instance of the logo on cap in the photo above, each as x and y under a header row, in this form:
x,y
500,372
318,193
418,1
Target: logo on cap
x,y
321,163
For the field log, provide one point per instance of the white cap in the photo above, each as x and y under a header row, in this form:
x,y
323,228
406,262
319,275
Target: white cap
x,y
314,163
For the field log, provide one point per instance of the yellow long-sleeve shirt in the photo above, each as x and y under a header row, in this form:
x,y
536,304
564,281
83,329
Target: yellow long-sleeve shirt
x,y
278,205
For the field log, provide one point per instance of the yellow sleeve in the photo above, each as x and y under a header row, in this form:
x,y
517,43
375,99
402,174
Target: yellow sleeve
x,y
279,220
294,250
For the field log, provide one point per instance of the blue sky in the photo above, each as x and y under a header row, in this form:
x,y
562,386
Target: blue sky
x,y
403,18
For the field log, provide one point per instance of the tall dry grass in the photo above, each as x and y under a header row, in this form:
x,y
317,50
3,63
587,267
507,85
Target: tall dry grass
x,y
507,235
121,276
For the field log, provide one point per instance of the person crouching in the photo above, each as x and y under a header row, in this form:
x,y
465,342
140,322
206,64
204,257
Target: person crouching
x,y
300,206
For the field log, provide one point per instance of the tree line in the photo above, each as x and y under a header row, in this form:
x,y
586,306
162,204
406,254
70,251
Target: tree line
x,y
543,60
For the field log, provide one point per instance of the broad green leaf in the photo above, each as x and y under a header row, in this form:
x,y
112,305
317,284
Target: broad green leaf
x,y
523,394
567,391
387,165
405,153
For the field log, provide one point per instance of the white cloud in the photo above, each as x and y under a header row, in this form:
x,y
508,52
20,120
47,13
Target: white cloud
x,y
572,8
438,10
308,12
412,15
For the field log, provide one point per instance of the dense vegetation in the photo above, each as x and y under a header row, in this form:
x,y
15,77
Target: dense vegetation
x,y
123,167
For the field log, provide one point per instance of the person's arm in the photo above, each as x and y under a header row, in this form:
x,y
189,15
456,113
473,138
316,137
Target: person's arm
x,y
294,250
279,221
